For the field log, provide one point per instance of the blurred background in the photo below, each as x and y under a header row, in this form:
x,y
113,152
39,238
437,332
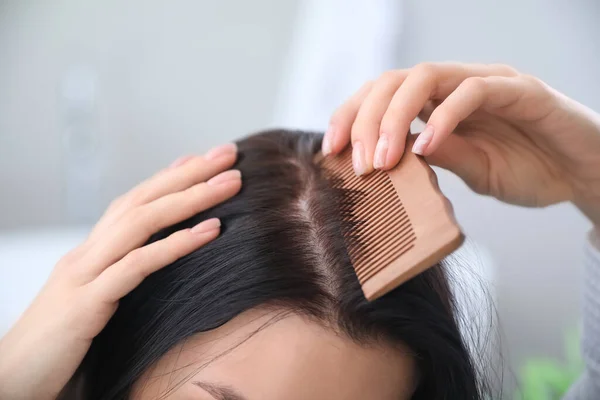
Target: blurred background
x,y
97,95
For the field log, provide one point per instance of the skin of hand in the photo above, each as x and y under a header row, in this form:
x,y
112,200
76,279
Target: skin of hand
x,y
506,134
46,345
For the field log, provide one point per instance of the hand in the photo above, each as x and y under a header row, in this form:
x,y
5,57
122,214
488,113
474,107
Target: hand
x,y
505,134
45,347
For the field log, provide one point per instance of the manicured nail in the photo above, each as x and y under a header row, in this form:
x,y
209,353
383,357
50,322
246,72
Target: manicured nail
x,y
221,151
231,175
358,158
423,140
206,226
180,161
327,145
381,151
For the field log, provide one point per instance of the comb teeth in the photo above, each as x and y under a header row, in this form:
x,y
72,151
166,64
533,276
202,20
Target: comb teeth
x,y
373,210
396,223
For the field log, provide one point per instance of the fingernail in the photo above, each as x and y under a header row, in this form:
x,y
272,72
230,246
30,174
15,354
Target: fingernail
x,y
180,161
327,145
231,175
423,140
221,151
381,151
358,158
206,226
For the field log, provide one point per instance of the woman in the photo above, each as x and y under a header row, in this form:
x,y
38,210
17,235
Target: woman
x,y
299,329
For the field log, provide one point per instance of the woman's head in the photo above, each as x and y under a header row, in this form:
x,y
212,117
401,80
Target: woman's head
x,y
272,308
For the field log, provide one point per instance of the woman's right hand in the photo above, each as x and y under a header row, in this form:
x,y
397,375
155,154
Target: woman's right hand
x,y
42,351
506,134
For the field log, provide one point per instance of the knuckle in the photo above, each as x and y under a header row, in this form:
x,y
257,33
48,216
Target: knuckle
x,y
358,129
68,259
368,84
440,117
68,262
197,163
134,217
127,202
426,70
140,196
474,84
533,81
478,186
363,122
116,203
504,69
141,218
198,191
339,114
388,77
388,125
393,122
135,259
343,113
176,249
141,272
336,118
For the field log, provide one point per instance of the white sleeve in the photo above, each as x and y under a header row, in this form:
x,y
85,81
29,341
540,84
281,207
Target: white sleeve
x,y
588,386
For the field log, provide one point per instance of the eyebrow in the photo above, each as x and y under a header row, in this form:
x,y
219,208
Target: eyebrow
x,y
220,392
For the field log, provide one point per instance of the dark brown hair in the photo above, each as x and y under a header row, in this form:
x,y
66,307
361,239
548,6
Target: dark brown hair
x,y
281,244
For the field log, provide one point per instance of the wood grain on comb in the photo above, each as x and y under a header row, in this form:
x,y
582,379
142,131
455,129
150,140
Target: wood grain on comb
x,y
399,222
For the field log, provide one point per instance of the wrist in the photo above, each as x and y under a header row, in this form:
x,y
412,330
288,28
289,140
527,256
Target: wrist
x,y
594,237
591,209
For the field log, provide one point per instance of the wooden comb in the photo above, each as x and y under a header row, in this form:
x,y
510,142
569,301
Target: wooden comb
x,y
401,223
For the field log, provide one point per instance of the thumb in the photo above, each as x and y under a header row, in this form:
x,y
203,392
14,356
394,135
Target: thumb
x,y
464,159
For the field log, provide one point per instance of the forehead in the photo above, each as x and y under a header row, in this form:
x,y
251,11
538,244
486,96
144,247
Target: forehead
x,y
271,355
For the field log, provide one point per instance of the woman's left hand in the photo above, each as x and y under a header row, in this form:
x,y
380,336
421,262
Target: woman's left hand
x,y
506,134
42,351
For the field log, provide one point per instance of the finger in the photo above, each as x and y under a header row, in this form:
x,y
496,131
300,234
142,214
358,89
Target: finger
x,y
464,159
126,274
337,136
135,228
181,177
182,174
474,93
425,82
366,127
